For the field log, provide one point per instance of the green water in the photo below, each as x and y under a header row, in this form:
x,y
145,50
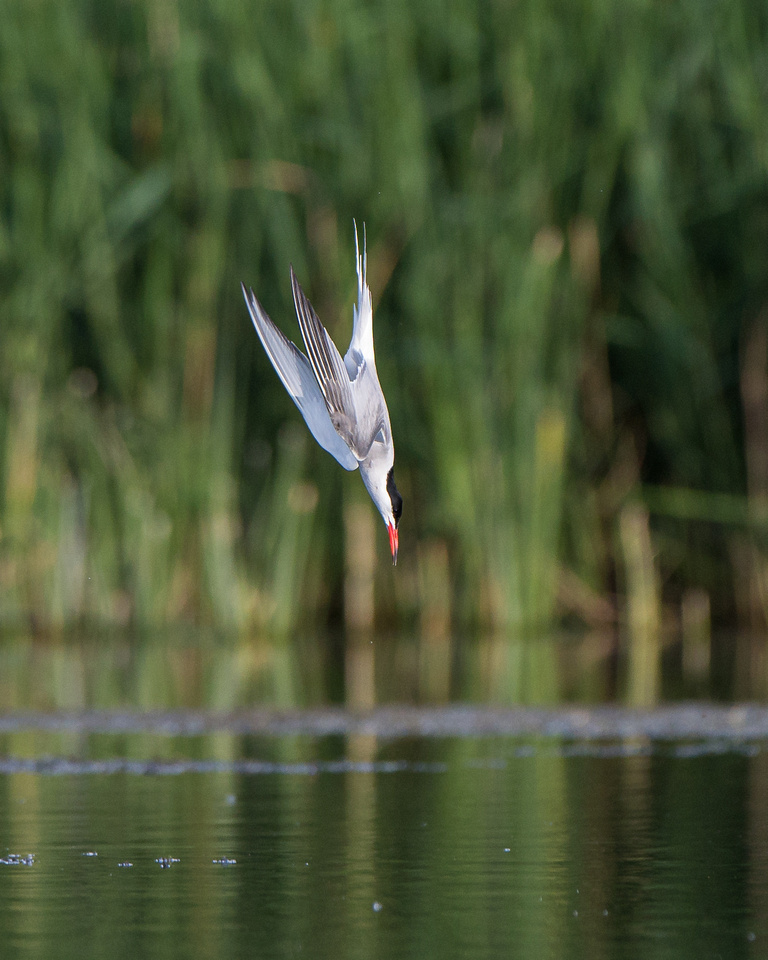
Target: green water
x,y
189,799
405,848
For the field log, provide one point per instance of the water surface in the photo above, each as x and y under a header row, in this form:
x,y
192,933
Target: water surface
x,y
177,800
410,847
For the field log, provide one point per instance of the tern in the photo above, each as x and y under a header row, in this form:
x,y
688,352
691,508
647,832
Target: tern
x,y
341,400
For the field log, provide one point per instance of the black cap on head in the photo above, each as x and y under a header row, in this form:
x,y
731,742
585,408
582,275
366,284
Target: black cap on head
x,y
394,496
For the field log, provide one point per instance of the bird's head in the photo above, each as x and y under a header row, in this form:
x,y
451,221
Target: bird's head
x,y
393,521
380,483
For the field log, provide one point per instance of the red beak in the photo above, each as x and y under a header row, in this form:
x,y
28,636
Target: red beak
x,y
392,531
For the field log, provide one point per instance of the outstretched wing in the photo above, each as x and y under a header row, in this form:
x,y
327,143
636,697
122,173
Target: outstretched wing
x,y
333,379
299,380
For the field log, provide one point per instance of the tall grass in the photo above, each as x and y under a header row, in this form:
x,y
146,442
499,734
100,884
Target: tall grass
x,y
567,211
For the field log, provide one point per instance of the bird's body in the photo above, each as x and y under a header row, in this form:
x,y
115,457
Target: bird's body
x,y
341,400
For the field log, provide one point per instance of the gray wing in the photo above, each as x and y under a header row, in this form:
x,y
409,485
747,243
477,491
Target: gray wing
x,y
355,422
298,379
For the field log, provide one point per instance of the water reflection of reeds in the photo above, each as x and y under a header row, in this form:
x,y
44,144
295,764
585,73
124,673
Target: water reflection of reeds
x,y
165,672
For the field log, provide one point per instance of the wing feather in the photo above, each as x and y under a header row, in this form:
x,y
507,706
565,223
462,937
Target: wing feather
x,y
331,373
299,380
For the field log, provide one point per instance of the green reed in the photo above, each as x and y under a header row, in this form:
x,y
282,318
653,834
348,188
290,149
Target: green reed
x,y
567,213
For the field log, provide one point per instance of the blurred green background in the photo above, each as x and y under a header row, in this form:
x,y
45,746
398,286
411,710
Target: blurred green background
x,y
567,216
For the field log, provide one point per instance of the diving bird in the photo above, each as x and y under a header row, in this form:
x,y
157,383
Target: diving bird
x,y
341,400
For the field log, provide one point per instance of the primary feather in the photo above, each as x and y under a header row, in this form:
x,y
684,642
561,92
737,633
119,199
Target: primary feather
x,y
298,379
